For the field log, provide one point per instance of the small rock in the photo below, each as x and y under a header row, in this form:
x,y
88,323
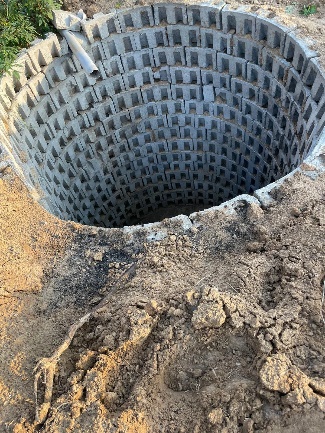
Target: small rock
x,y
254,211
294,398
321,403
307,167
177,312
109,341
262,233
254,322
95,300
248,425
254,246
98,256
216,416
275,373
110,398
63,20
291,269
209,315
268,337
236,320
190,298
295,212
197,372
151,307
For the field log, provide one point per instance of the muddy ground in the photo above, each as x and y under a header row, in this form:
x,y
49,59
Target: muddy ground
x,y
216,329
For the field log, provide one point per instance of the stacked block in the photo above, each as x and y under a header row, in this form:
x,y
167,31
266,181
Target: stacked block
x,y
193,105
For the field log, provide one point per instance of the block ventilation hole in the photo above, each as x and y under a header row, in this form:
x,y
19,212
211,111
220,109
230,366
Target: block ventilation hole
x,y
189,110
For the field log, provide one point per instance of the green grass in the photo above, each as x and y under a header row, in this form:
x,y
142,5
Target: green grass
x,y
308,10
20,23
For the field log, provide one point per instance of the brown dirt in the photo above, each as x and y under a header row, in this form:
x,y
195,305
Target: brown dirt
x,y
216,331
30,241
219,330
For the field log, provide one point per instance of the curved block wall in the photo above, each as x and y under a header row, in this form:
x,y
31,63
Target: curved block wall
x,y
193,106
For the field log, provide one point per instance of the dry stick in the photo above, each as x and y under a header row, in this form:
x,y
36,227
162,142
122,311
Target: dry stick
x,y
322,303
46,367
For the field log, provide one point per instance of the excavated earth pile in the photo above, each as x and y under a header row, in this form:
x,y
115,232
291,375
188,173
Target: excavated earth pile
x,y
216,329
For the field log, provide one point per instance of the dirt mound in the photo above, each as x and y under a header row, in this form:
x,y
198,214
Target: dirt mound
x,y
219,330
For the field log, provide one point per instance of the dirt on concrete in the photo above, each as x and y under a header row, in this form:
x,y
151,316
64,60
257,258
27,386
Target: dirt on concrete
x,y
220,329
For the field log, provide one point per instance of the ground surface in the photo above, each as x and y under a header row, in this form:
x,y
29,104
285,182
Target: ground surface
x,y
217,330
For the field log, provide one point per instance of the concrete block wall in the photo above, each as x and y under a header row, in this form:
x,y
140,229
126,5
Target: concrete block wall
x,y
193,105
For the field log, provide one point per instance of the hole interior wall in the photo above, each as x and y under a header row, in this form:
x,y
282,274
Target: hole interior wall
x,y
181,114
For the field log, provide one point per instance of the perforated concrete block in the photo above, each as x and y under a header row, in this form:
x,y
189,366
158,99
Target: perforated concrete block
x,y
23,103
101,26
136,18
143,112
170,107
42,52
151,38
256,76
238,21
211,38
246,49
5,101
320,116
39,85
170,13
314,79
297,52
58,70
186,36
233,66
169,56
163,75
185,75
296,88
243,89
273,33
138,60
186,92
203,58
97,52
205,15
276,65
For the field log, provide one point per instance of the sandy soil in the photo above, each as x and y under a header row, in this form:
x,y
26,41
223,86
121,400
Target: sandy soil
x,y
218,330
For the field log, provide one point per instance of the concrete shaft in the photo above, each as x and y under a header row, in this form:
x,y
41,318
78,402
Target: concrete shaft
x,y
193,106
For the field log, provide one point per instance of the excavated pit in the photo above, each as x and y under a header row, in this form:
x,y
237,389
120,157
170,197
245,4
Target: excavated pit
x,y
192,106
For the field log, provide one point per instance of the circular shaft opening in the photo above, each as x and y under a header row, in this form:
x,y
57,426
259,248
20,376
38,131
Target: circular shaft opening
x,y
192,106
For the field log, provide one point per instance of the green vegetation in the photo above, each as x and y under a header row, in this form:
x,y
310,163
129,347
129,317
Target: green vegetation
x,y
305,10
292,8
21,21
308,10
